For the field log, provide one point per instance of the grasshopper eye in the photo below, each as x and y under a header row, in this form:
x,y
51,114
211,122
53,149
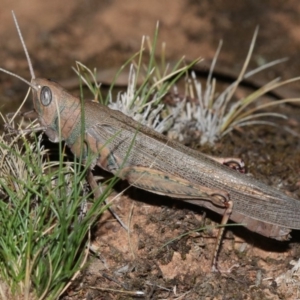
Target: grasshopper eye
x,y
46,96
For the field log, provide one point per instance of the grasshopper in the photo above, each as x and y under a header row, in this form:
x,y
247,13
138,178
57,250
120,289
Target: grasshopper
x,y
158,165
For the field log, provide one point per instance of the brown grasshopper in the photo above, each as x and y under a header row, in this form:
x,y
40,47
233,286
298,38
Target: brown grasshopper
x,y
159,165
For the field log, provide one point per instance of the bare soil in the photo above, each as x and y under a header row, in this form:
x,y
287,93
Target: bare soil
x,y
104,34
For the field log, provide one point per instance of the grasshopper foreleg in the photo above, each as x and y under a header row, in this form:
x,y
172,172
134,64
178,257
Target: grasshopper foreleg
x,y
97,193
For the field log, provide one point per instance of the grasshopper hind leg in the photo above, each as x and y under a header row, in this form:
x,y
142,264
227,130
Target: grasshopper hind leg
x,y
160,183
226,215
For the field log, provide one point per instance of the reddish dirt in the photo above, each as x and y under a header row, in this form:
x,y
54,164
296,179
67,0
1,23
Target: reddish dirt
x,y
104,34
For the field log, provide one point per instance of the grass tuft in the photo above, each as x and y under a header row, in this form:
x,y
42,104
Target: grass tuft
x,y
45,226
148,84
214,114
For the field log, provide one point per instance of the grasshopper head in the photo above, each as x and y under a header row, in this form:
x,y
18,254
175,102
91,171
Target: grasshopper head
x,y
54,106
46,106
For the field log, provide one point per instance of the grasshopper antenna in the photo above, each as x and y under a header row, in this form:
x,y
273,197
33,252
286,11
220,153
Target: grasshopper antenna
x,y
27,56
19,77
24,46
